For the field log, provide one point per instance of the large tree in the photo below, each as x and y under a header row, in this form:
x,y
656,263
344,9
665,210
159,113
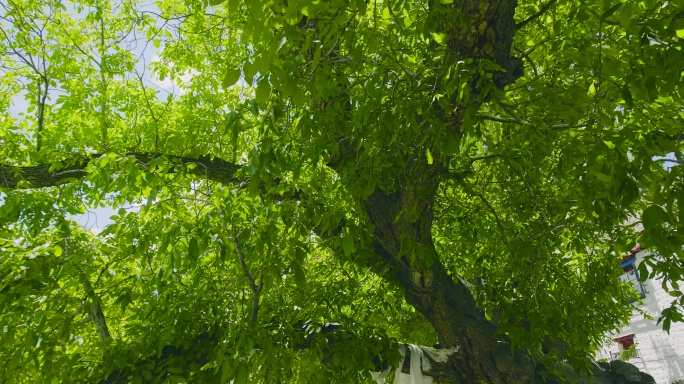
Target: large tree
x,y
329,179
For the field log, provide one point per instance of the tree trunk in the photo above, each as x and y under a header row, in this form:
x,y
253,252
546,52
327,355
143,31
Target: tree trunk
x,y
402,223
402,220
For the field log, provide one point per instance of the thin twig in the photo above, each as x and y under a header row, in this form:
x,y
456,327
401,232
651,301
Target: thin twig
x,y
669,160
241,256
533,48
469,190
474,159
256,289
506,109
396,21
568,126
502,119
531,192
496,216
519,122
536,15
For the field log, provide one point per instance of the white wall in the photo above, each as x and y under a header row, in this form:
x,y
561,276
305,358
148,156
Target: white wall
x,y
660,355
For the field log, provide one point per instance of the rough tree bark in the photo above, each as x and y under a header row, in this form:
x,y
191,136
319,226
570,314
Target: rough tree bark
x,y
402,220
485,32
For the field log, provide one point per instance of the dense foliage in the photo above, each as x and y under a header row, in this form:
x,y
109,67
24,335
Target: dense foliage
x,y
281,165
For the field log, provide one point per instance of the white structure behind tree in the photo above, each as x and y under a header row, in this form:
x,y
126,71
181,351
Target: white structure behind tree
x,y
643,342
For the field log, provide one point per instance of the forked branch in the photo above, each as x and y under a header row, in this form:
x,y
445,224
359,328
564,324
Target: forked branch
x,y
50,175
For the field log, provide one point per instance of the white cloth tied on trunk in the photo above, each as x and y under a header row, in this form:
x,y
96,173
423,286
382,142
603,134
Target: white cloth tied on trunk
x,y
419,363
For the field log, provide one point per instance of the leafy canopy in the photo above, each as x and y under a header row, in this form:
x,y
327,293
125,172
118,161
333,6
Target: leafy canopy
x,y
245,178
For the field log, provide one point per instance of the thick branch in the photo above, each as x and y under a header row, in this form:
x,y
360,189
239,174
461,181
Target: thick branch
x,y
41,176
255,299
96,313
256,289
489,36
241,257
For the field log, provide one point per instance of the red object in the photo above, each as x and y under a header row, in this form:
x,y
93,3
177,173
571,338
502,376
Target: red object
x,y
632,252
626,341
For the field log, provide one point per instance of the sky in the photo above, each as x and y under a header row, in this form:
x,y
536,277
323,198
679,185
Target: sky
x,y
97,218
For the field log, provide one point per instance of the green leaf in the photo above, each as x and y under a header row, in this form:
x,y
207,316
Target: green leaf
x,y
428,155
151,197
267,282
233,6
407,21
226,371
608,13
298,96
231,77
166,239
592,89
440,38
653,217
299,276
216,2
627,96
222,252
175,380
249,71
643,272
666,325
241,376
651,88
603,177
124,300
193,250
489,314
450,145
263,91
348,244
254,108
300,255
254,184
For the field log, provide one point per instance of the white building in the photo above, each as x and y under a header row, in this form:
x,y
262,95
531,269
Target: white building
x,y
653,351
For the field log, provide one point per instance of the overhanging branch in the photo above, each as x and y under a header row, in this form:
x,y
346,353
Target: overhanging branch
x,y
50,175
